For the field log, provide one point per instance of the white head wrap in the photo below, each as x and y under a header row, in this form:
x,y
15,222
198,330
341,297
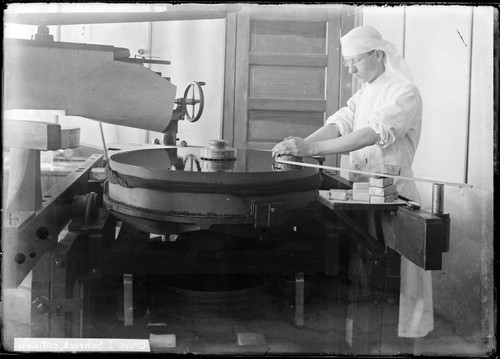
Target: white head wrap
x,y
363,39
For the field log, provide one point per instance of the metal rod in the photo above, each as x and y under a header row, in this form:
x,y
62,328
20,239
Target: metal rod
x,y
464,185
437,198
103,142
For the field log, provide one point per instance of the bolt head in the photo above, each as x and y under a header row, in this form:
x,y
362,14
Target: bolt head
x,y
19,258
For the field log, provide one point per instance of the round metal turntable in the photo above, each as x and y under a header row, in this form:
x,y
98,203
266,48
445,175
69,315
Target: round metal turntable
x,y
167,190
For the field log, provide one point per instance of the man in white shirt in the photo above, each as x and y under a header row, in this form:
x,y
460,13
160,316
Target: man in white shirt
x,y
381,124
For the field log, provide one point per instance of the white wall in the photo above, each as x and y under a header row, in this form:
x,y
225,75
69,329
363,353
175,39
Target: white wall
x,y
428,36
450,52
196,51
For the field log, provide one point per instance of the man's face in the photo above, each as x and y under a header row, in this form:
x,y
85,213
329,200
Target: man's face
x,y
365,67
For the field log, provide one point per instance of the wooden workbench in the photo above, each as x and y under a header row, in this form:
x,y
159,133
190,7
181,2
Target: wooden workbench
x,y
351,205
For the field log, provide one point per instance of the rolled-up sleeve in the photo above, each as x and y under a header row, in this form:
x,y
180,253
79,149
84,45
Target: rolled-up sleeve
x,y
344,117
397,115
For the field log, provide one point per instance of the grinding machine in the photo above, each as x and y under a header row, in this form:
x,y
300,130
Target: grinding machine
x,y
163,212
176,224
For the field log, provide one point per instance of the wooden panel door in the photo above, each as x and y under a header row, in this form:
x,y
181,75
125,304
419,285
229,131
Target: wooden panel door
x,y
286,75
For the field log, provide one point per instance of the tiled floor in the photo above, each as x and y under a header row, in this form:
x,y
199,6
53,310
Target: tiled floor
x,y
269,330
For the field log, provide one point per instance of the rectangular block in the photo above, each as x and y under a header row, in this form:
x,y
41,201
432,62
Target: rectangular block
x,y
419,237
360,186
338,194
162,341
34,135
245,339
381,181
389,169
360,196
377,191
378,199
70,137
98,174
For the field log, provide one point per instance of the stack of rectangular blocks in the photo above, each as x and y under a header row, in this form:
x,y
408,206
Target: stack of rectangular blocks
x,y
382,190
379,189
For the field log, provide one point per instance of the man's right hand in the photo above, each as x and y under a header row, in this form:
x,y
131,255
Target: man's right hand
x,y
294,146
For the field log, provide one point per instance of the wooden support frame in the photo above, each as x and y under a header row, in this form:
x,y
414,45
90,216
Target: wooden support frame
x,y
56,294
374,272
27,235
24,192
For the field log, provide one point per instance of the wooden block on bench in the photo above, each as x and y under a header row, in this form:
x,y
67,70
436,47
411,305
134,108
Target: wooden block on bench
x,y
381,181
384,191
338,194
385,199
389,169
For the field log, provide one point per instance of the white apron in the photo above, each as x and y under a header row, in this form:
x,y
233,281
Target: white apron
x,y
393,109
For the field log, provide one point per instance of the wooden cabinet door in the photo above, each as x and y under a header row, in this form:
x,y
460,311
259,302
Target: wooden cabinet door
x,y
286,75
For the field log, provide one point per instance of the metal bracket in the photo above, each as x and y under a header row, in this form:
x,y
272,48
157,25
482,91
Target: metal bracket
x,y
268,214
45,305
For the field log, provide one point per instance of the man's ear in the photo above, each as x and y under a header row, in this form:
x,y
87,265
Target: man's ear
x,y
380,55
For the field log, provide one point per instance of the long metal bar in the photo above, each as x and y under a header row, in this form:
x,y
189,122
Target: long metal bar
x,y
118,17
103,142
462,185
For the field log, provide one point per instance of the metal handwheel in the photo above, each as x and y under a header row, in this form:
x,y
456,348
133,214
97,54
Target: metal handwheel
x,y
194,101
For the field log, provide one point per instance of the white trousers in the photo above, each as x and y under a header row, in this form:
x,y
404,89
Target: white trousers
x,y
416,313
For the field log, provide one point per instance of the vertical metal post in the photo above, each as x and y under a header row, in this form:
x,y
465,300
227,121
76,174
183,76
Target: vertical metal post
x,y
128,300
299,299
438,210
437,198
169,138
103,142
